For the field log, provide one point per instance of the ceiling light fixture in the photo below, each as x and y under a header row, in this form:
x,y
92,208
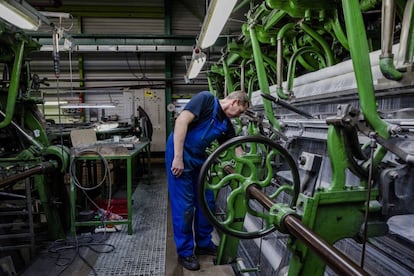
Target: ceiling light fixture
x,y
20,14
54,103
197,62
217,14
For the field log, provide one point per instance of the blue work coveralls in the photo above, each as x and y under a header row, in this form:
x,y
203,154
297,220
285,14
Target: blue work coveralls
x,y
185,207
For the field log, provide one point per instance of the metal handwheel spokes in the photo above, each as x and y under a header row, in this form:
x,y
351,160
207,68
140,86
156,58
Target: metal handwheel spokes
x,y
225,178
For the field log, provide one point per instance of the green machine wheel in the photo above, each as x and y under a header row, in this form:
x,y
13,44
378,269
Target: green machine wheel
x,y
226,176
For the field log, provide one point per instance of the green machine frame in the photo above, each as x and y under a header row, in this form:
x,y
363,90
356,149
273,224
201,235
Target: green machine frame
x,y
313,221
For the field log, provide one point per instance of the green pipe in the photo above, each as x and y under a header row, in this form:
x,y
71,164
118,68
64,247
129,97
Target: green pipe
x,y
14,85
243,75
210,84
293,60
270,62
282,32
233,57
250,75
338,30
227,78
358,45
368,4
388,69
387,33
252,79
327,50
302,60
265,37
362,66
261,75
259,12
274,18
279,59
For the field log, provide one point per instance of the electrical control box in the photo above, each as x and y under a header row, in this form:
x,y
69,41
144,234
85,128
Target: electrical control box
x,y
309,162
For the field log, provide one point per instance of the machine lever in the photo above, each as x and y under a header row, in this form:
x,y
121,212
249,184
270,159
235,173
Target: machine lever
x,y
408,158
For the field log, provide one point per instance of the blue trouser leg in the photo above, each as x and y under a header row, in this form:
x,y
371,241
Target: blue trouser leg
x,y
182,211
202,226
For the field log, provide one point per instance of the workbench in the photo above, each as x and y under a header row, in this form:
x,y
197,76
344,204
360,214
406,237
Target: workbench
x,y
129,155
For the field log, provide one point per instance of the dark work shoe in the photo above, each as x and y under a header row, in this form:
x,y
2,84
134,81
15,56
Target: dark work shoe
x,y
190,262
212,251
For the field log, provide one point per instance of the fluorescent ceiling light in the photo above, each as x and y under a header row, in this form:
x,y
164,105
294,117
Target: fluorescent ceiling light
x,y
87,105
217,14
56,14
197,62
19,14
54,103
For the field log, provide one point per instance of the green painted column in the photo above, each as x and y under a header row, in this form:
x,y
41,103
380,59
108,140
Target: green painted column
x,y
358,45
14,85
262,77
359,50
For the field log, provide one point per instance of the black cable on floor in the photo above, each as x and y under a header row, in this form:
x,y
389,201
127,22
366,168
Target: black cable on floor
x,y
60,247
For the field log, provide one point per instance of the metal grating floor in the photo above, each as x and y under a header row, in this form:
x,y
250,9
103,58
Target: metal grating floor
x,y
143,252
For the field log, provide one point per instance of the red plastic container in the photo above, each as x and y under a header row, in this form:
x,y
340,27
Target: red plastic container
x,y
117,206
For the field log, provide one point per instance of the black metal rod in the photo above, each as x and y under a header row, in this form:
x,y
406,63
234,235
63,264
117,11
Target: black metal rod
x,y
332,256
287,106
339,262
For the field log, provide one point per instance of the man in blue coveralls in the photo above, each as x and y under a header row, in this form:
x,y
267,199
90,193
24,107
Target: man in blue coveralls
x,y
204,119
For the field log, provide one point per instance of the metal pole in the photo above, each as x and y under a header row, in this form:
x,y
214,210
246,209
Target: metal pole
x,y
41,168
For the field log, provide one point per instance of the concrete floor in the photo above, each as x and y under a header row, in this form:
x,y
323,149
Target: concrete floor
x,y
44,264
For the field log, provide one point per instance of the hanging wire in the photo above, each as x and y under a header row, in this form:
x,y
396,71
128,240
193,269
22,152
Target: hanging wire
x,y
107,175
70,72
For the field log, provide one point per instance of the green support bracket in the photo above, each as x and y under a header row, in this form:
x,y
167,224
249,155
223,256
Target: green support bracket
x,y
338,158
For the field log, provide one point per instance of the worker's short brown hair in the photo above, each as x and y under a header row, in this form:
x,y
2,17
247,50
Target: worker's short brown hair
x,y
240,96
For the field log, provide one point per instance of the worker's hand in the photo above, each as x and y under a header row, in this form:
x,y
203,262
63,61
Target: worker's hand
x,y
177,167
239,151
